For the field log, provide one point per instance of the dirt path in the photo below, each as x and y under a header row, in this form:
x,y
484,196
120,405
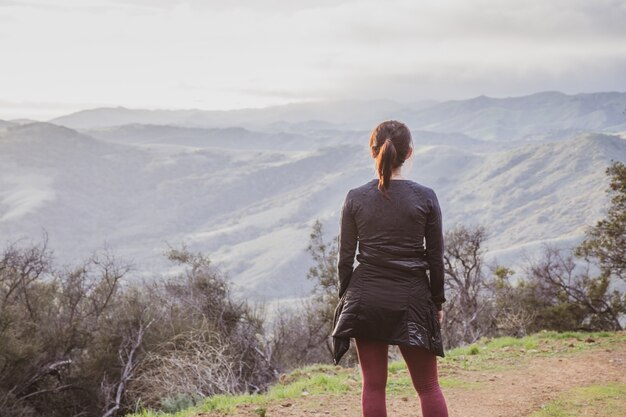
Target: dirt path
x,y
519,392
515,390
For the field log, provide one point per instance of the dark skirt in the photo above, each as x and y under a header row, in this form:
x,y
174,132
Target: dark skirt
x,y
390,305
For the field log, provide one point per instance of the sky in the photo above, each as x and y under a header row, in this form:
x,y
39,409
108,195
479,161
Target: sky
x,y
61,56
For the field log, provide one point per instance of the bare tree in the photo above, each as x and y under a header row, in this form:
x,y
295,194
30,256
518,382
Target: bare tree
x,y
205,342
73,340
512,315
113,393
466,283
598,307
48,319
299,336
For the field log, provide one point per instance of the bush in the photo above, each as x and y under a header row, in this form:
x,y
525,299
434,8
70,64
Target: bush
x,y
204,343
81,340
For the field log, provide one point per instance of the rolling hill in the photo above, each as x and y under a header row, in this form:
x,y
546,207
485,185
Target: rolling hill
x,y
248,198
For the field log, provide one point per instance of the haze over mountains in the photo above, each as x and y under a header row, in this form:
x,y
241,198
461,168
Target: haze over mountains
x,y
482,117
245,186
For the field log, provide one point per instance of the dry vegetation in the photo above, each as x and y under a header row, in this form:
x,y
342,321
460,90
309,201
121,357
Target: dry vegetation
x,y
82,341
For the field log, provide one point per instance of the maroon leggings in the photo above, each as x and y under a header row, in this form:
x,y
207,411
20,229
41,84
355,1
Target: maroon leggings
x,y
422,366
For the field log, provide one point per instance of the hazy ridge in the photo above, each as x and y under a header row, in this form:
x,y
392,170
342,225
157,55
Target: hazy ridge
x,y
245,186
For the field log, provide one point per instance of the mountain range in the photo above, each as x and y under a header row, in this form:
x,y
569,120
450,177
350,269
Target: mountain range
x,y
245,186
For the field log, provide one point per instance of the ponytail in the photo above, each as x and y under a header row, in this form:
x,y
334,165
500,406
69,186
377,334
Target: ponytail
x,y
385,161
390,143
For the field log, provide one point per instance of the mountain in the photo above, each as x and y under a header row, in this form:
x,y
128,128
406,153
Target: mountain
x,y
341,113
23,121
536,117
249,198
5,124
240,138
138,197
536,193
228,138
73,185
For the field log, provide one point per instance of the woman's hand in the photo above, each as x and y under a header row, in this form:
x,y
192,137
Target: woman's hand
x,y
440,316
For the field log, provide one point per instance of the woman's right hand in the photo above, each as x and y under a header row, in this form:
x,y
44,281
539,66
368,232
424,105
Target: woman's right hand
x,y
440,316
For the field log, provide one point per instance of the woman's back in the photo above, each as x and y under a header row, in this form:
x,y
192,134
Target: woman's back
x,y
401,233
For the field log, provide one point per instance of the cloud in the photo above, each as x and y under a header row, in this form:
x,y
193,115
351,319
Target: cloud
x,y
257,5
159,53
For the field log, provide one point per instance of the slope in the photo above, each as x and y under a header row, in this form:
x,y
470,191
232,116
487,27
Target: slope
x,y
251,209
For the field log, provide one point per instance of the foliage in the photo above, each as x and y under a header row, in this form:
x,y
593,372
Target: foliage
x,y
558,291
302,335
567,296
606,241
299,336
324,274
204,343
324,271
466,315
561,288
80,340
57,334
512,314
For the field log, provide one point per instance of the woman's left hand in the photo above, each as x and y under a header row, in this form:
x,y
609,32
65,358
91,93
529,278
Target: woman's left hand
x,y
440,316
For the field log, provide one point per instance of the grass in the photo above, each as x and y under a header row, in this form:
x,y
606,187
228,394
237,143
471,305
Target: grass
x,y
595,400
311,380
501,353
484,355
400,384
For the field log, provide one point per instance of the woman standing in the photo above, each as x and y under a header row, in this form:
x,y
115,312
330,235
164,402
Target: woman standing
x,y
389,299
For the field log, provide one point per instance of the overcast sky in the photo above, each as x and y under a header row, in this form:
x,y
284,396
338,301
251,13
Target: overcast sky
x,y
65,55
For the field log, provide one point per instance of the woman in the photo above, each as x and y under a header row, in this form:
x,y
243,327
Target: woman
x,y
389,299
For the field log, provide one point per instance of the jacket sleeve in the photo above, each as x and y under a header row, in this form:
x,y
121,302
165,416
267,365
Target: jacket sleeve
x,y
434,250
346,246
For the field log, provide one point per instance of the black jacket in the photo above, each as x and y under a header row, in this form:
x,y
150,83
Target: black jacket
x,y
406,235
398,240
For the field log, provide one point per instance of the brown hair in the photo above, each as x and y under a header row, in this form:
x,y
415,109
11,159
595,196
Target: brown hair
x,y
390,143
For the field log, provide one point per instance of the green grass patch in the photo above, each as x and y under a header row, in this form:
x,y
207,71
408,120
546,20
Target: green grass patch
x,y
396,366
311,380
504,352
485,355
606,400
401,384
319,379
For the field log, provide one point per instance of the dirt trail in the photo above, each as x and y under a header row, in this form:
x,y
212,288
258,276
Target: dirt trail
x,y
515,391
519,392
